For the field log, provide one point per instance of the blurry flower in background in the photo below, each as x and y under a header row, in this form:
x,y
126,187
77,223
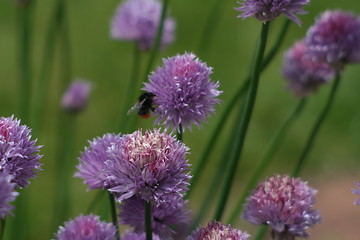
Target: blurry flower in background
x,y
76,96
86,228
92,161
138,20
303,73
216,230
7,193
267,10
174,213
152,166
357,191
335,38
183,91
284,203
19,156
138,236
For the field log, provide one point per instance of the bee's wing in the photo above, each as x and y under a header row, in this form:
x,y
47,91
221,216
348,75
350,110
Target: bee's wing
x,y
136,107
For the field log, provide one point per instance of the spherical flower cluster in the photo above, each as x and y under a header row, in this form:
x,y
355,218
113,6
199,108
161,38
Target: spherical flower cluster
x,y
152,166
174,212
138,20
284,203
218,231
266,10
183,91
76,96
138,236
305,74
19,156
7,194
92,161
86,228
335,38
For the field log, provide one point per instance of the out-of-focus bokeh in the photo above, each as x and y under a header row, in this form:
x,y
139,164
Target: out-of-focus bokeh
x,y
333,166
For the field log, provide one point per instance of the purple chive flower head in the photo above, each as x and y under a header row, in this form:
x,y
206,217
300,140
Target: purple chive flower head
x,y
86,228
284,203
138,236
18,154
267,10
150,165
76,96
7,194
216,230
303,73
357,191
183,91
138,20
92,161
335,38
173,212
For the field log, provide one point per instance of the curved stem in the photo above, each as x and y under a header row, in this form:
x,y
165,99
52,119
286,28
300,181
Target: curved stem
x,y
2,227
200,164
180,133
132,89
266,159
158,38
148,221
244,121
310,141
114,215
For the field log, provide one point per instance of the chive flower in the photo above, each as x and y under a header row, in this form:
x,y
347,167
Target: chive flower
x,y
92,161
304,74
285,204
267,10
7,194
76,96
152,166
171,213
19,156
86,228
184,94
357,191
138,20
216,230
335,38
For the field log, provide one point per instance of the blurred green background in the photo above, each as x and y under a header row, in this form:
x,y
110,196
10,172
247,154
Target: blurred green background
x,y
334,161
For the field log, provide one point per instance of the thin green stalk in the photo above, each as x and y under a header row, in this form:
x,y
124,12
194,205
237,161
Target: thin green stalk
x,y
148,220
261,232
132,89
244,121
310,141
266,159
180,133
210,26
41,89
157,41
2,227
114,215
200,164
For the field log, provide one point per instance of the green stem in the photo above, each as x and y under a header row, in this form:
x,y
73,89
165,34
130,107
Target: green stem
x,y
157,41
200,164
261,232
132,89
180,133
148,221
41,89
114,215
310,141
266,159
244,121
2,227
210,26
